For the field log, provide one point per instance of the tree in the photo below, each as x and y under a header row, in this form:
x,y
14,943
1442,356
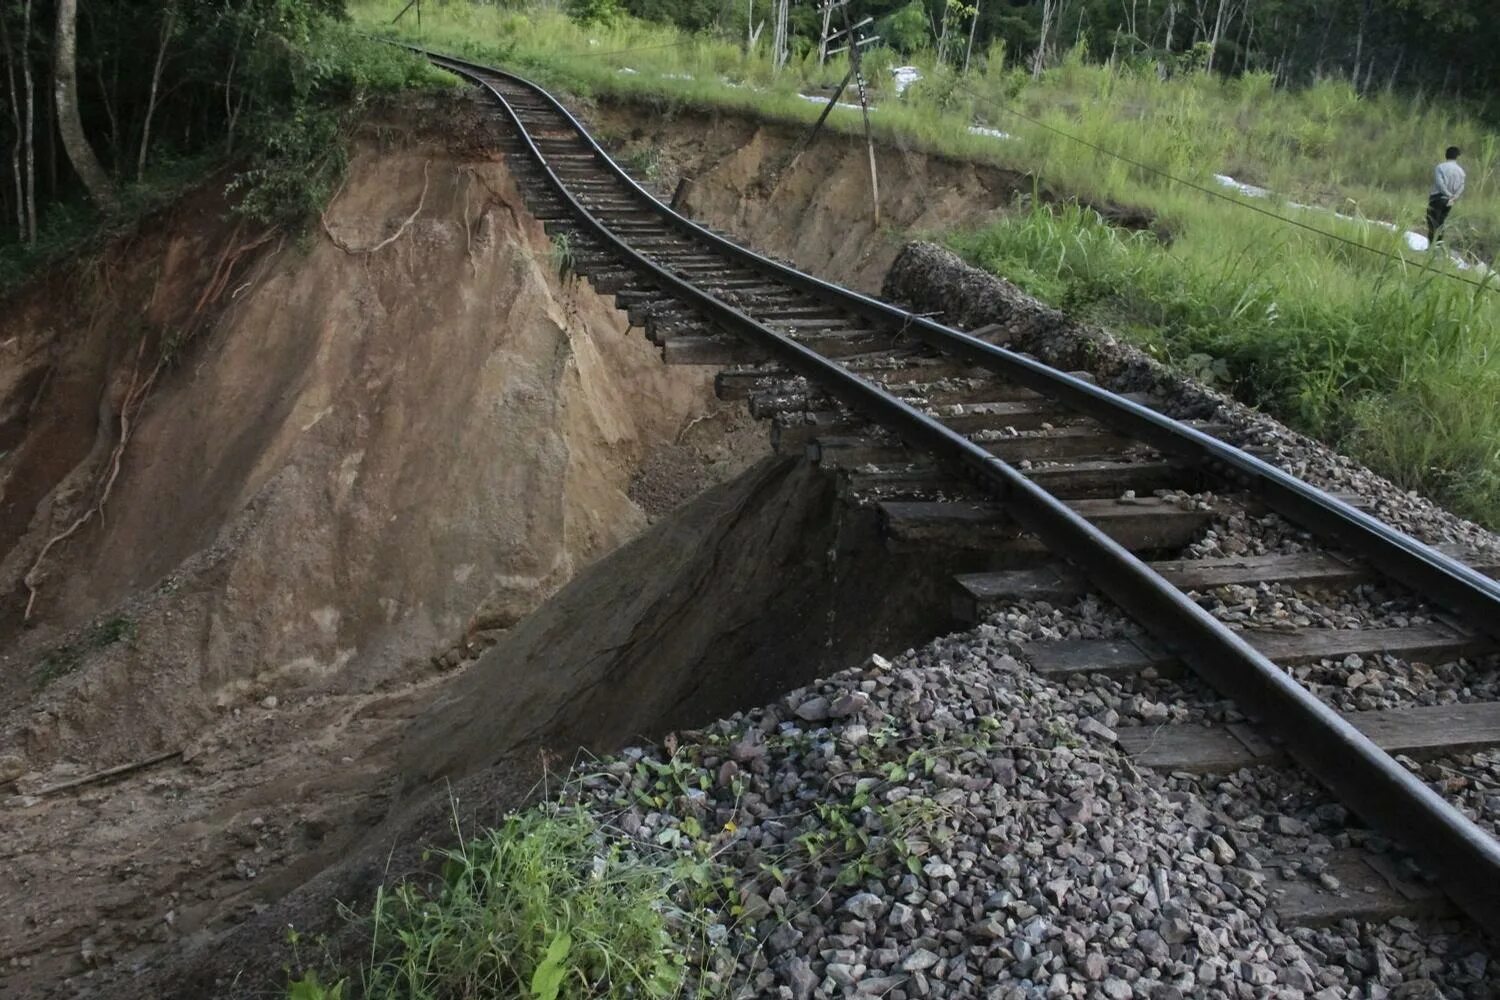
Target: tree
x,y
69,121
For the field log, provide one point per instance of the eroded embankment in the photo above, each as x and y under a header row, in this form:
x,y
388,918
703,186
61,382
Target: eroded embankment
x,y
363,451
755,587
358,457
815,209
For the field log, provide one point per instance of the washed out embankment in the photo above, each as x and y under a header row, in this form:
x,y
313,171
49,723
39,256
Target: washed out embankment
x,y
755,587
362,451
358,457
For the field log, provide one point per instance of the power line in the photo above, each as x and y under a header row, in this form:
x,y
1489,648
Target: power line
x,y
1486,284
643,48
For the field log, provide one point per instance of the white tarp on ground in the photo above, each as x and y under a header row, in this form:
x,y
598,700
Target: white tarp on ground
x,y
823,100
993,133
905,76
1415,241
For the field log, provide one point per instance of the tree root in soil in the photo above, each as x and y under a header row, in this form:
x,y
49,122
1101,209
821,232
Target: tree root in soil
x,y
343,245
136,395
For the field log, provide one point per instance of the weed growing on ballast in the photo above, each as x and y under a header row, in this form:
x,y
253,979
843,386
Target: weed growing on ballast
x,y
550,903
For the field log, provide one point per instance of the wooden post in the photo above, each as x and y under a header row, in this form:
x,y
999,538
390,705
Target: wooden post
x,y
864,109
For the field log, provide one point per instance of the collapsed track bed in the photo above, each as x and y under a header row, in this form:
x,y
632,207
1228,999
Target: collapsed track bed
x,y
1313,632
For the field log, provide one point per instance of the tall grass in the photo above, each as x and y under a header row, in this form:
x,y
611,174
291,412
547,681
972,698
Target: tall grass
x,y
1381,353
1395,364
1324,145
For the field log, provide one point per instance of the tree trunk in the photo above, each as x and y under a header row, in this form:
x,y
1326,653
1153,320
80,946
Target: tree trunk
x,y
15,117
1040,58
1222,17
30,122
168,19
69,121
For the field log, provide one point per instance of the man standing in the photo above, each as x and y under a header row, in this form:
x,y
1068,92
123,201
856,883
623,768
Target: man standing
x,y
1447,186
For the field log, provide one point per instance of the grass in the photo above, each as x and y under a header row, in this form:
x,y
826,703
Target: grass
x,y
1395,365
549,904
1323,145
1382,354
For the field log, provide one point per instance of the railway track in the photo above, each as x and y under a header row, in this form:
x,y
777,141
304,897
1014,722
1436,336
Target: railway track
x,y
1060,486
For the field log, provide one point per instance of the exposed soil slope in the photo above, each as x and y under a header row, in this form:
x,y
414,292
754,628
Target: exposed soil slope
x,y
365,449
356,459
816,209
757,585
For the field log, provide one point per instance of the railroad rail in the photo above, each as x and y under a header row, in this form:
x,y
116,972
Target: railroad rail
x,y
912,407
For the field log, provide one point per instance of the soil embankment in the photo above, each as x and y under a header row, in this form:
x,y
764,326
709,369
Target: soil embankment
x,y
815,209
348,458
758,585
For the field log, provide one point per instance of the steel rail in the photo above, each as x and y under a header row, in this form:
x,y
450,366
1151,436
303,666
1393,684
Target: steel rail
x,y
1464,859
1432,574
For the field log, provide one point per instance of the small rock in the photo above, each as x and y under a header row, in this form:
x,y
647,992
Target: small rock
x,y
813,709
802,980
865,905
850,703
920,960
755,907
1093,727
989,930
269,701
11,768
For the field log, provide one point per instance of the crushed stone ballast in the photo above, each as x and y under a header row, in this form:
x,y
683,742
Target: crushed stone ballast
x,y
962,444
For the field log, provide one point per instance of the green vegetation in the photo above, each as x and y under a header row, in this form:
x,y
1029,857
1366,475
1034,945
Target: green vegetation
x,y
1325,144
1394,364
562,255
549,904
163,97
1379,353
65,659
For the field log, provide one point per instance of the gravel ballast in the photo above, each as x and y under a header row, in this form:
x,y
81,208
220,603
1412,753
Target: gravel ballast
x,y
950,824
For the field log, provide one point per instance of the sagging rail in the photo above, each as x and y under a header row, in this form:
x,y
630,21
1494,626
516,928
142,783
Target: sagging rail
x,y
670,266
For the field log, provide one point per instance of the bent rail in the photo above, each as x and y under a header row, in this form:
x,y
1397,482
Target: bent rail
x,y
1464,858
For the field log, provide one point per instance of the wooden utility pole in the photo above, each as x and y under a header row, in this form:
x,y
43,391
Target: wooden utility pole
x,y
856,44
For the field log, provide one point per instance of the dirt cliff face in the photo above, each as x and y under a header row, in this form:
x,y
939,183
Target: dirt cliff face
x,y
360,453
816,208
